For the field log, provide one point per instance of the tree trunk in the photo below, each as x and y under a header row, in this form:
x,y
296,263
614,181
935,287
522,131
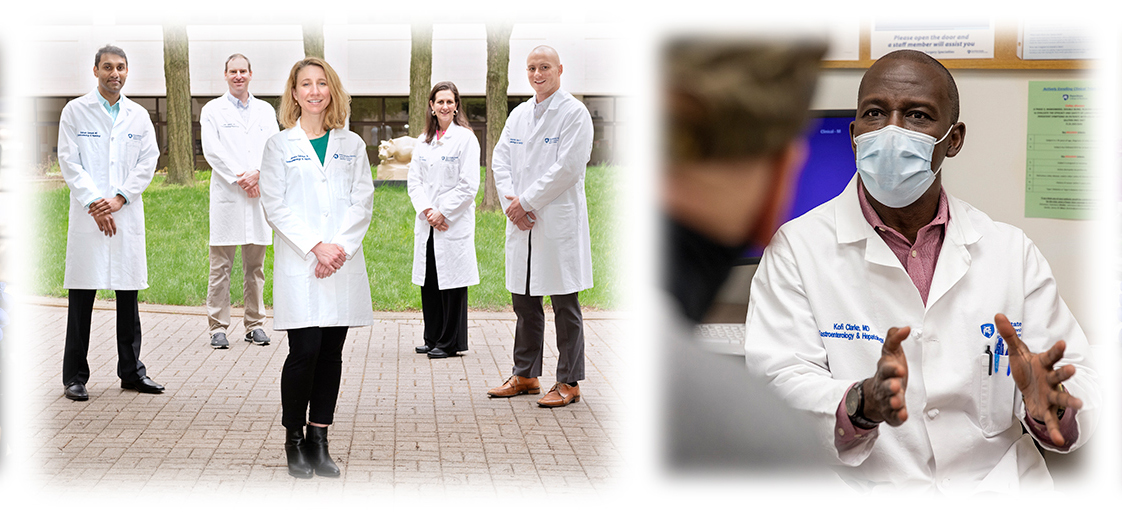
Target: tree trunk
x,y
181,155
420,77
313,39
498,64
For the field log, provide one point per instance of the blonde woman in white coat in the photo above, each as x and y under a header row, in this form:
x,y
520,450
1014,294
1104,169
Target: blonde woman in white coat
x,y
443,182
317,192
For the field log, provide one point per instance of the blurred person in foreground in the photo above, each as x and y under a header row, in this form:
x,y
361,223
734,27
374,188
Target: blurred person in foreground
x,y
897,303
734,114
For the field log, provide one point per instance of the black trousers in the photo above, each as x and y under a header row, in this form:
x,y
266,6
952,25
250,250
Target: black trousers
x,y
311,375
445,311
529,336
75,367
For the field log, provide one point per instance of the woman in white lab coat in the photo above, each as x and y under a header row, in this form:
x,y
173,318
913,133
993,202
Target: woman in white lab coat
x,y
443,181
317,192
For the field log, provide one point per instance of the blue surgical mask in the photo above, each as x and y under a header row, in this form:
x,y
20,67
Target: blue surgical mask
x,y
895,164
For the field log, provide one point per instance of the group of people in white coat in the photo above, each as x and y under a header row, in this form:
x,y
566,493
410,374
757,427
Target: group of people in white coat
x,y
311,183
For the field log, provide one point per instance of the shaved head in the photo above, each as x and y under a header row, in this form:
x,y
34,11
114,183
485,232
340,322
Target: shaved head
x,y
548,52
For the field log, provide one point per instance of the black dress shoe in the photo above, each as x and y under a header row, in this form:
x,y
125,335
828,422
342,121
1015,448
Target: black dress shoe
x,y
423,349
437,353
77,392
144,385
315,449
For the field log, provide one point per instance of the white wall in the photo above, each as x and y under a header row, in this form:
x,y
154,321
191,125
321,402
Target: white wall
x,y
371,59
989,174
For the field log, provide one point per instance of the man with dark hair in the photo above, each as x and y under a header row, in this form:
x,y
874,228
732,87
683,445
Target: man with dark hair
x,y
896,302
107,152
235,128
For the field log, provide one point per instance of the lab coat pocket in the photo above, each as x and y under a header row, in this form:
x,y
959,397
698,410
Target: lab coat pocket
x,y
132,154
562,224
340,184
995,391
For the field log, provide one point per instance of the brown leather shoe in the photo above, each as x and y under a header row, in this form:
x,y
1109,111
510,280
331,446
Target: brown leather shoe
x,y
560,395
516,385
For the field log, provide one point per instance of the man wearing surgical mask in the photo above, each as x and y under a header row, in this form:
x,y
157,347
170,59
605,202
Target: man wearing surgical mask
x,y
898,303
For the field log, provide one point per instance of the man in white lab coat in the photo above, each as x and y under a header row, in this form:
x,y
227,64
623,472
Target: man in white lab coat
x,y
539,165
235,128
898,303
107,152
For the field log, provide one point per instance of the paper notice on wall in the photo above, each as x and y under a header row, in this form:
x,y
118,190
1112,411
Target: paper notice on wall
x,y
1054,40
959,39
1059,179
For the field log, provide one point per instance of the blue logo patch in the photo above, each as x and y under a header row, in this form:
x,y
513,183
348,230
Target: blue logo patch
x,y
552,140
987,330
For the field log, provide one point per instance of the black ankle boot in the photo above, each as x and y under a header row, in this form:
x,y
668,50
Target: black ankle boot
x,y
294,446
316,452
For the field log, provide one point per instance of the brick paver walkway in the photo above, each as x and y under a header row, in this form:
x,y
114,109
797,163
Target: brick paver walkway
x,y
404,423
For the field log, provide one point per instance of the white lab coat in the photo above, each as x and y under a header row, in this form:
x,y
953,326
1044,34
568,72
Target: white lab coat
x,y
827,275
444,175
543,165
100,158
307,203
232,146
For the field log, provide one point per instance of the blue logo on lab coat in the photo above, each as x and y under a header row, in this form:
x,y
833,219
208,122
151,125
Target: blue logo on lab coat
x,y
987,330
336,156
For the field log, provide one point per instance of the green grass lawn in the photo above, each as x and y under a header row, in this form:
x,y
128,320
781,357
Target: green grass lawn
x,y
176,219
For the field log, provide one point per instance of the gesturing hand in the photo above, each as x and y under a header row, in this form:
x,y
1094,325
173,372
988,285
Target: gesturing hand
x,y
1038,379
884,391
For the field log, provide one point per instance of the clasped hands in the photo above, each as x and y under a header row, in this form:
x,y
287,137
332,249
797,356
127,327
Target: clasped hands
x,y
436,219
329,259
1034,373
102,211
248,183
522,218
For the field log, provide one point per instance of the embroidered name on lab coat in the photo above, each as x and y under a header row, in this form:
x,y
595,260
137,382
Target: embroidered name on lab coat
x,y
89,134
297,158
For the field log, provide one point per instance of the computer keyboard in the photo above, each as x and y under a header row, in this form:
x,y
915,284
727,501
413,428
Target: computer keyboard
x,y
727,338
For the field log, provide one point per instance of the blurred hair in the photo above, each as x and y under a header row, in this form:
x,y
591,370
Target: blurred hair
x,y
337,110
109,49
460,119
736,98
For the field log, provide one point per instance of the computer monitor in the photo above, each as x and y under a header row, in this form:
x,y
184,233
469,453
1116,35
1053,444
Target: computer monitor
x,y
829,166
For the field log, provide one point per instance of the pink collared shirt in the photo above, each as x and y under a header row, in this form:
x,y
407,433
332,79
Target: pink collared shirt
x,y
918,260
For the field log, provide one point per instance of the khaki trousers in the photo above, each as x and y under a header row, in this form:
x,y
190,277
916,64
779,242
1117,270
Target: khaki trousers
x,y
218,290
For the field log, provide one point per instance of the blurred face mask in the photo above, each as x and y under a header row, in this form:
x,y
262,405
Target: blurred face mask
x,y
895,164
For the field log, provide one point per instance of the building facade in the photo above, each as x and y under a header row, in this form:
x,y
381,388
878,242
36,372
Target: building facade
x,y
372,61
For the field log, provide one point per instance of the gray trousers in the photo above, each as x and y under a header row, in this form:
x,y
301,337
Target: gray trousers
x,y
529,336
218,289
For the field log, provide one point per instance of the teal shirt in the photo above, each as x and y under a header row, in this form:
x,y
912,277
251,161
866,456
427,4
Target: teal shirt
x,y
320,145
112,109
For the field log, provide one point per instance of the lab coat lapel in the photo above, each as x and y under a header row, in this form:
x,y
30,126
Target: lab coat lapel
x,y
954,257
333,143
297,136
852,227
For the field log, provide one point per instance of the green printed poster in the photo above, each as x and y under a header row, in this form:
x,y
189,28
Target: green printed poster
x,y
1059,179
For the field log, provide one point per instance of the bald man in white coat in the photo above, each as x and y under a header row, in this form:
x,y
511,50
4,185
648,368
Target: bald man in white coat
x,y
539,164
